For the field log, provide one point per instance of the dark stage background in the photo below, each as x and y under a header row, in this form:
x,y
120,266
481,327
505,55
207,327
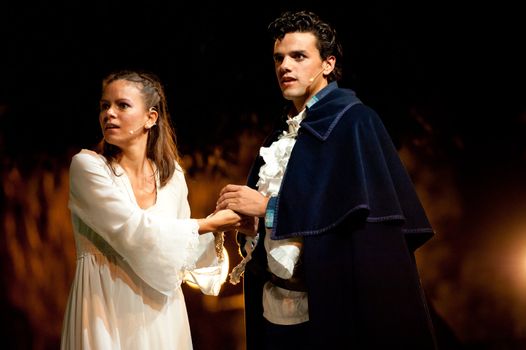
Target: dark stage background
x,y
447,79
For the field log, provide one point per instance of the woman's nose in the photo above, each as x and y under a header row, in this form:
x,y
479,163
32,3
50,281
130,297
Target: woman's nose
x,y
110,112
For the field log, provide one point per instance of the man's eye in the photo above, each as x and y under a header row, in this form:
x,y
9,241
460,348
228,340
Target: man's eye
x,y
299,57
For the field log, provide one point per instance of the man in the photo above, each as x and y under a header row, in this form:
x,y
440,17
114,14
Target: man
x,y
333,263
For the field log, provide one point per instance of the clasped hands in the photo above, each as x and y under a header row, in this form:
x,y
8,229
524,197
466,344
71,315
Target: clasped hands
x,y
245,203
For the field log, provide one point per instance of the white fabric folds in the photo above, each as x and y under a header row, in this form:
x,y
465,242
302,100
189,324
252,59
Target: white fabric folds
x,y
126,293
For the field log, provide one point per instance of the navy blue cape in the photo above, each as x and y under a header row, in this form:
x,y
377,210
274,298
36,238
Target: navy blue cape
x,y
344,164
347,193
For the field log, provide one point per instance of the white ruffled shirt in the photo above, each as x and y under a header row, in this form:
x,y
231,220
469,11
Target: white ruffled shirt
x,y
281,306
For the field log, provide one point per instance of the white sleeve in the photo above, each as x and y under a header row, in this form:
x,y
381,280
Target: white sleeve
x,y
158,247
282,255
211,276
210,272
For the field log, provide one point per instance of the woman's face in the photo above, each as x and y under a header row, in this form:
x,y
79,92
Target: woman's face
x,y
123,115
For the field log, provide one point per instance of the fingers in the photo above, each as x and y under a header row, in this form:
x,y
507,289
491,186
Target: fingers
x,y
230,200
224,204
229,214
226,196
242,199
230,220
248,225
229,188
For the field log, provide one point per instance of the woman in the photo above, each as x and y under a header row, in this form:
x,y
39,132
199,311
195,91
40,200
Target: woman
x,y
136,242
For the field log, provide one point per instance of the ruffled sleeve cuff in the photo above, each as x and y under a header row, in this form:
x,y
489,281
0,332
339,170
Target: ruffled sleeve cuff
x,y
211,266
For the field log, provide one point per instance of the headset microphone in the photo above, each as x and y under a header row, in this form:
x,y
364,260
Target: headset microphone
x,y
139,128
317,75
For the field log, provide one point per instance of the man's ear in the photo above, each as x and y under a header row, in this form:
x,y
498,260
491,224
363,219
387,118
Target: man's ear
x,y
329,64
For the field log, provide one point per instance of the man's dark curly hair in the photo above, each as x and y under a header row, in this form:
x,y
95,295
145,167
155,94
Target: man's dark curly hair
x,y
309,22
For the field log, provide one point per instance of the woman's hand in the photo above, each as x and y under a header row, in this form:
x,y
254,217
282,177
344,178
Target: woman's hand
x,y
221,220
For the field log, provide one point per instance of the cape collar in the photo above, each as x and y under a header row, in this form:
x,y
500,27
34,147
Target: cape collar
x,y
326,108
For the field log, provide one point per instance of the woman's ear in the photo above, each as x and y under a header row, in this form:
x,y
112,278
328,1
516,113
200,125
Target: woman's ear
x,y
152,117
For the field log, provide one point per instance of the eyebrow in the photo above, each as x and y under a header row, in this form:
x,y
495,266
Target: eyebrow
x,y
291,53
122,99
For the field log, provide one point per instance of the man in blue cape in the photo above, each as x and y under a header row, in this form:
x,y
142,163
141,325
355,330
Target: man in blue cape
x,y
333,262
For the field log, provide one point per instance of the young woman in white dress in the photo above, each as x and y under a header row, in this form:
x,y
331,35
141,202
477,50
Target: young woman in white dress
x,y
136,242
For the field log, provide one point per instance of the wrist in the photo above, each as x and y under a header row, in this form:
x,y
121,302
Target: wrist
x,y
204,226
270,212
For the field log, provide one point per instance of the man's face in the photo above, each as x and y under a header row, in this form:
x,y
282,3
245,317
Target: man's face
x,y
299,68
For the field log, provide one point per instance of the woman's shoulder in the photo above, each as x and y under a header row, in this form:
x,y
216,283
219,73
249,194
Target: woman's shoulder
x,y
177,178
86,158
179,167
178,173
83,153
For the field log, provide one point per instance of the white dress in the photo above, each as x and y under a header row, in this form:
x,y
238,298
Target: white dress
x,y
131,262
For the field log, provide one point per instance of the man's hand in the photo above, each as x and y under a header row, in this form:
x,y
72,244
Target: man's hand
x,y
242,199
249,225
